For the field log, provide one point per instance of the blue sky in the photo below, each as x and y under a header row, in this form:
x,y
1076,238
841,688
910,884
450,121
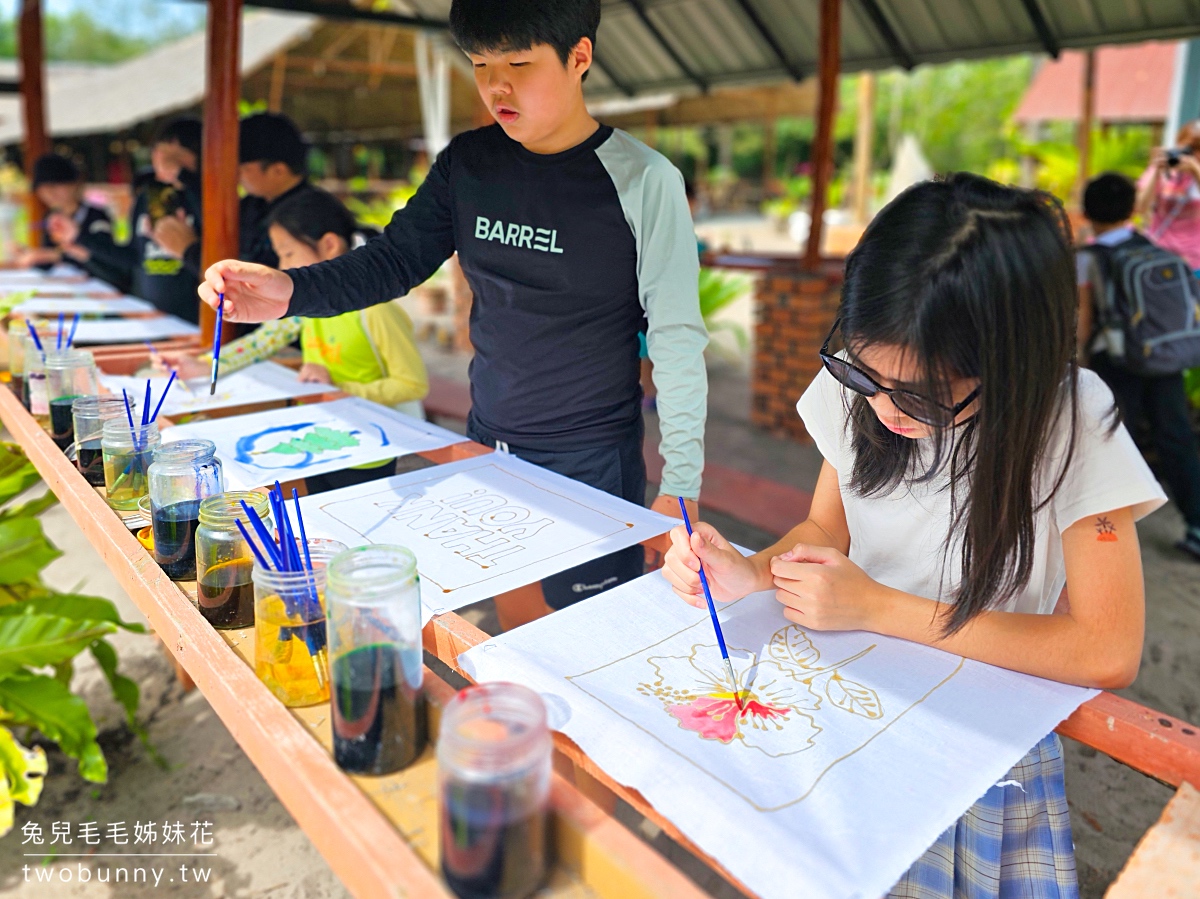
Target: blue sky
x,y
140,17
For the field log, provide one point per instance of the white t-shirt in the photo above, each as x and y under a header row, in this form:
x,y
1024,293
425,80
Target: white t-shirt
x,y
898,539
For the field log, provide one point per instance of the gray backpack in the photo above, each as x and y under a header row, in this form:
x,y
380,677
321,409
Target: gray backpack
x,y
1148,308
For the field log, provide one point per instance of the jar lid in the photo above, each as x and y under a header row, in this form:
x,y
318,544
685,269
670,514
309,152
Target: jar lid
x,y
372,573
71,358
117,428
102,404
223,509
185,452
491,731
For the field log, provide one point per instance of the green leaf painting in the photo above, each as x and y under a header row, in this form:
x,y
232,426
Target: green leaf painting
x,y
319,440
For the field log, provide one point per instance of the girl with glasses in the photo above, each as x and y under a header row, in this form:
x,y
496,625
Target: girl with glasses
x,y
972,476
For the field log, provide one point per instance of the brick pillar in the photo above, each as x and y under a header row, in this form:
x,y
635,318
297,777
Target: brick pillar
x,y
795,311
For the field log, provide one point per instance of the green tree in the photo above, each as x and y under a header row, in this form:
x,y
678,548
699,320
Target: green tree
x,y
79,36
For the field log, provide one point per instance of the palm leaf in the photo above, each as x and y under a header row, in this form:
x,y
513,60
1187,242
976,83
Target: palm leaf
x,y
21,772
35,641
71,605
24,550
42,702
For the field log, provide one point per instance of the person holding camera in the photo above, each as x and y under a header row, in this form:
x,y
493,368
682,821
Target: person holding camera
x,y
1168,197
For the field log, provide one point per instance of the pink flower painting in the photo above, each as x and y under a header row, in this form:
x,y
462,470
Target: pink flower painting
x,y
769,707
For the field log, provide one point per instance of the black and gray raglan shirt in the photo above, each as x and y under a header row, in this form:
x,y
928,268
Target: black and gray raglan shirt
x,y
569,256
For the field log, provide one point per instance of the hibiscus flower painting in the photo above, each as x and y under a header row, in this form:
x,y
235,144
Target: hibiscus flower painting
x,y
769,707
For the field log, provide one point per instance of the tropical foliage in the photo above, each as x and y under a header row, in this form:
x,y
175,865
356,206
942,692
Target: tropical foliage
x,y
42,631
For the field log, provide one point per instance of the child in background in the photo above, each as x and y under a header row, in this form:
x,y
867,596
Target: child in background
x,y
971,472
1108,203
58,184
368,353
155,272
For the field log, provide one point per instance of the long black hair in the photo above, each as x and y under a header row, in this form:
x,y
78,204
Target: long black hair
x,y
311,214
972,280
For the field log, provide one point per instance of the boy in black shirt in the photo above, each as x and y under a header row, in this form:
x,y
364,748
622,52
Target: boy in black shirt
x,y
272,167
157,273
573,238
59,186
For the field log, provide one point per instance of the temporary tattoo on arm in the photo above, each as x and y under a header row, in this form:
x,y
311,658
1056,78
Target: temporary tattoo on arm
x,y
1106,531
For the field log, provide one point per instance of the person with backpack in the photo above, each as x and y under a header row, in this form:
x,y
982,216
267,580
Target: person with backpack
x,y
1139,328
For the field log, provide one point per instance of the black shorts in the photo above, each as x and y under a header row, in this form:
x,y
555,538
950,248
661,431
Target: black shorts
x,y
619,470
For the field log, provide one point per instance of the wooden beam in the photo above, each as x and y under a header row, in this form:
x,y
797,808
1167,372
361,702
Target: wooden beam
x,y
278,74
828,64
1162,746
864,135
768,36
219,199
607,69
1083,130
1042,27
318,65
33,106
884,27
640,8
347,13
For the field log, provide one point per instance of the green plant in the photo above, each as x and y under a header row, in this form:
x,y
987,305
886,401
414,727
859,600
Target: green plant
x,y
796,191
41,633
718,290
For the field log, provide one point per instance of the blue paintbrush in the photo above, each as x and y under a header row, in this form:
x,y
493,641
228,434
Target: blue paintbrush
x,y
712,613
71,336
216,350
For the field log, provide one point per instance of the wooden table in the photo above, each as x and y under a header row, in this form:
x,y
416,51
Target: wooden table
x,y
379,834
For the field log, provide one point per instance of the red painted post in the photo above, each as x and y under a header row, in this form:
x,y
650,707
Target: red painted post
x,y
828,67
218,194
33,105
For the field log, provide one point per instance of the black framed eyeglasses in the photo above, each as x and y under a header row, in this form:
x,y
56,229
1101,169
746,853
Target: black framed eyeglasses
x,y
921,408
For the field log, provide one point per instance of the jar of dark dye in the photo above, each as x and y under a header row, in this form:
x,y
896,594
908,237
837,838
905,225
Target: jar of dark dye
x,y
493,757
182,474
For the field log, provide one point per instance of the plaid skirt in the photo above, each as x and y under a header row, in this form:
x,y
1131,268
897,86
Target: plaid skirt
x,y
1014,843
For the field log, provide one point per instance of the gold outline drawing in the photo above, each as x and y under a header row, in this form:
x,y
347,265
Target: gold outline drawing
x,y
624,525
572,679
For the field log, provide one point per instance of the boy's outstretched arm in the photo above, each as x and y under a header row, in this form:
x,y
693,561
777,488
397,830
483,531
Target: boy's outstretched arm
x,y
668,270
419,238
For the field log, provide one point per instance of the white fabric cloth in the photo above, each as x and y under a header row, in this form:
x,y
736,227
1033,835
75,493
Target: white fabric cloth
x,y
898,539
854,752
300,441
262,382
482,526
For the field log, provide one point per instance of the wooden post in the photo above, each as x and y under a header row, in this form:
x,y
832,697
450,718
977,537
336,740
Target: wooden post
x,y
219,198
1083,135
828,64
278,74
769,153
33,105
864,136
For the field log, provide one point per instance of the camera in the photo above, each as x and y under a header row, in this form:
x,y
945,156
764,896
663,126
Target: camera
x,y
1177,153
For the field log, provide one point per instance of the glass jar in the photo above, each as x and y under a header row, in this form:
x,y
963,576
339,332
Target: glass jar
x,y
88,415
70,374
373,603
180,476
289,628
127,455
18,334
36,398
224,589
493,758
